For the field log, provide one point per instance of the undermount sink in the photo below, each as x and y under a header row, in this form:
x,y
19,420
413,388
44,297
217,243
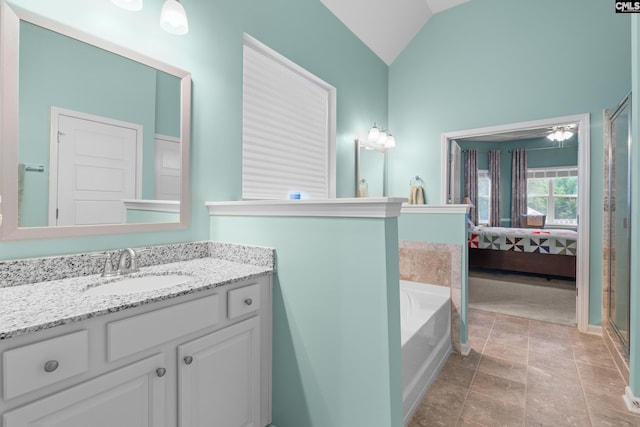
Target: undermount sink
x,y
133,285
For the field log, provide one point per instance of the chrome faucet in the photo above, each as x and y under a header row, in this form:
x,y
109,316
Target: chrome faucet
x,y
127,262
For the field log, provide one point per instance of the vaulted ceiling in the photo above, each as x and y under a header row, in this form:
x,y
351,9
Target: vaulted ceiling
x,y
387,26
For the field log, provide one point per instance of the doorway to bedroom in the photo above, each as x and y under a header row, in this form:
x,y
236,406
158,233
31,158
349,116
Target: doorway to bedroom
x,y
528,186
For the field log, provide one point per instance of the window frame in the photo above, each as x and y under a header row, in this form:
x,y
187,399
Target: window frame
x,y
254,187
549,173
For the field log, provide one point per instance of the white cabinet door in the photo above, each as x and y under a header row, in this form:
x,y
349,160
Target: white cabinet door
x,y
219,378
131,396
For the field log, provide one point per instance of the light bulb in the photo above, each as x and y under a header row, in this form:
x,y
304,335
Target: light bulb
x,y
391,142
374,134
173,18
382,139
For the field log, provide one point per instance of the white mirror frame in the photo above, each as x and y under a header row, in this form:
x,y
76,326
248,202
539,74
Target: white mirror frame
x,y
10,17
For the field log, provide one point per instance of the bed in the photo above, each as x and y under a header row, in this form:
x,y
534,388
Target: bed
x,y
549,252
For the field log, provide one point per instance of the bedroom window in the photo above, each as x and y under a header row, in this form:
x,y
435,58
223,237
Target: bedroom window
x,y
553,192
484,196
288,128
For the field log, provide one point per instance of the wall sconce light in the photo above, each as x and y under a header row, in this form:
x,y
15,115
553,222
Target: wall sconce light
x,y
391,141
173,18
381,138
374,133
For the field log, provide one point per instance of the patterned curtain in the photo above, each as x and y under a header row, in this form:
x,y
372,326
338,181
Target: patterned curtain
x,y
494,203
518,186
471,182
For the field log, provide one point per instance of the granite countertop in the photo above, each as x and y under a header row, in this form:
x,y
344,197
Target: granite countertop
x,y
37,306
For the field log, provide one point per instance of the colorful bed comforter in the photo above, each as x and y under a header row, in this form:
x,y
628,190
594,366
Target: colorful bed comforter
x,y
545,241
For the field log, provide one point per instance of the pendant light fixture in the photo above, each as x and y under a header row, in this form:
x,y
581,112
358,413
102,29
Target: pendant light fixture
x,y
132,5
173,18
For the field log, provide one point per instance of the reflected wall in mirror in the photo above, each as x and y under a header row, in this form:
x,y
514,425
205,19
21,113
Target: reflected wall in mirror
x,y
371,170
101,135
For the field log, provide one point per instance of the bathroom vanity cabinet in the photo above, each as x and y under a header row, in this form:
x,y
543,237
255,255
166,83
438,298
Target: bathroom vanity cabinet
x,y
202,359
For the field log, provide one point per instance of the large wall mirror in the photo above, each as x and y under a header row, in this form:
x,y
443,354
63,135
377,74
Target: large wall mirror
x,y
95,138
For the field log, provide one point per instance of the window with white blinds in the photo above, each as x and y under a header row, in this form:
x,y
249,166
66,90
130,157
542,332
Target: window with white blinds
x,y
288,128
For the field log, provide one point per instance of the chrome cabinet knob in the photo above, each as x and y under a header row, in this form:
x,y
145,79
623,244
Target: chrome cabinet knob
x,y
51,365
248,301
188,360
161,371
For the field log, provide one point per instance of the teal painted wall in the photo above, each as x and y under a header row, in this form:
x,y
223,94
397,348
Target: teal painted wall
x,y
547,157
441,228
634,358
167,104
336,325
302,30
489,62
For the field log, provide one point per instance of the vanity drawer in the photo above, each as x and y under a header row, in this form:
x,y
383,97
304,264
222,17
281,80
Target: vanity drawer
x,y
46,362
138,333
243,300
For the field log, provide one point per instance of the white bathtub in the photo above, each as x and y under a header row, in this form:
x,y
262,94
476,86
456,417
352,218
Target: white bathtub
x,y
425,322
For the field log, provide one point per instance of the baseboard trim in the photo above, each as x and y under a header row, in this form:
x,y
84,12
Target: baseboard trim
x,y
594,330
633,403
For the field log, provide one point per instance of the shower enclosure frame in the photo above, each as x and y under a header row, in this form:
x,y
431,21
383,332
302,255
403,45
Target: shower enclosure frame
x,y
611,206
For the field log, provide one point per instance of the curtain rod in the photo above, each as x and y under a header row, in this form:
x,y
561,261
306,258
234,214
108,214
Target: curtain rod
x,y
532,149
547,148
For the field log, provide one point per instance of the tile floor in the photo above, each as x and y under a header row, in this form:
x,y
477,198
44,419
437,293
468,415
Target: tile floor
x,y
525,372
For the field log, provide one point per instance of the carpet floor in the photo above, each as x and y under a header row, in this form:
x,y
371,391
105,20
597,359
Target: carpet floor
x,y
523,296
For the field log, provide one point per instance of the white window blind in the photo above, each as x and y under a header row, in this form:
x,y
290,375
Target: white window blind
x,y
288,128
552,172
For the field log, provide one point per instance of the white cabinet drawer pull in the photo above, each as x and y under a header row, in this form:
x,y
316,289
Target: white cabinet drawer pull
x,y
244,300
161,371
51,365
43,363
188,360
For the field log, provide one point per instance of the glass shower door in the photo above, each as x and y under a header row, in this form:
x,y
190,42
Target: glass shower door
x,y
620,215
